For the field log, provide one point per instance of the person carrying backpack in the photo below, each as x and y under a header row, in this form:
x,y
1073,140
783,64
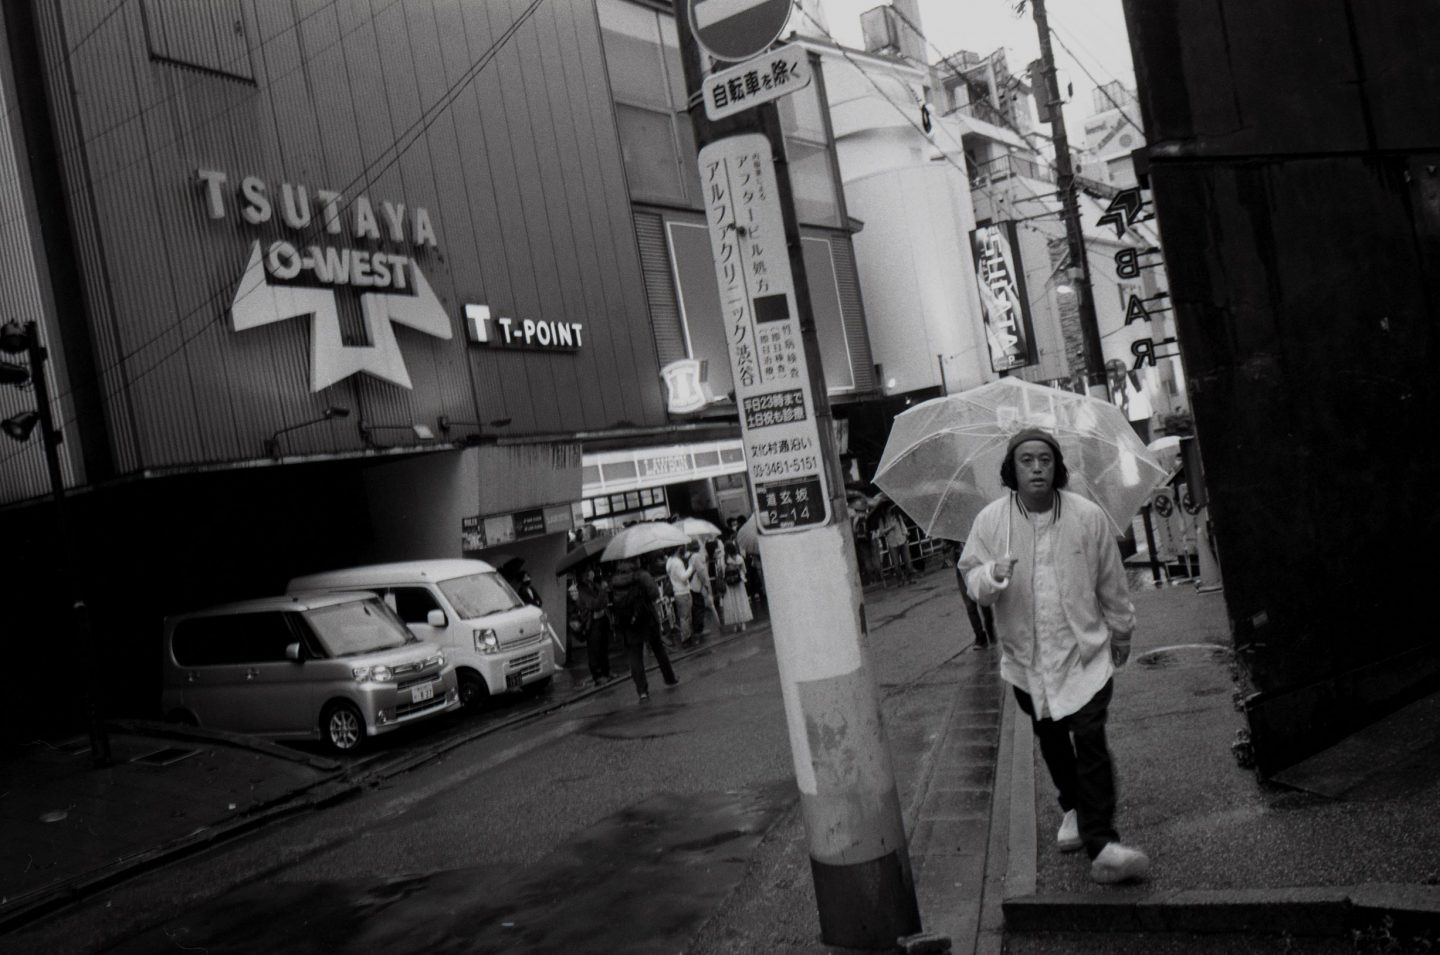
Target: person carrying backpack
x,y
634,593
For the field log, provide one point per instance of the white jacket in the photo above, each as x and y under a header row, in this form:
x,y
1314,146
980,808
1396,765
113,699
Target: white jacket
x,y
1094,596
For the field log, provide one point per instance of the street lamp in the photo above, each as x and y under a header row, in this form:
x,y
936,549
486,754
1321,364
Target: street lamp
x,y
421,431
15,339
272,443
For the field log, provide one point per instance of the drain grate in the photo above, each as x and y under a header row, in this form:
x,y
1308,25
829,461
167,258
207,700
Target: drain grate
x,y
165,757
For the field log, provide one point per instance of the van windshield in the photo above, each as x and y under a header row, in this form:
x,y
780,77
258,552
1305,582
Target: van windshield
x,y
362,626
479,595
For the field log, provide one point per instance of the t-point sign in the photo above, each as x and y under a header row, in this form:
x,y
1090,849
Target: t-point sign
x,y
737,29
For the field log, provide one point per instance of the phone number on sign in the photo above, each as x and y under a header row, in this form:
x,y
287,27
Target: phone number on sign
x,y
761,470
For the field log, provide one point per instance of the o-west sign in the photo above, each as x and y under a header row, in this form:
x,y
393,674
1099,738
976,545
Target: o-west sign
x,y
339,244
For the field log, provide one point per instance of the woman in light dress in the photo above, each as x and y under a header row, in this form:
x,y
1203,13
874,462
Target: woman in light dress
x,y
735,601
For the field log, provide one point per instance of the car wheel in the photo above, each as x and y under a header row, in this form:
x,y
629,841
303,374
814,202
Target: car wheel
x,y
342,728
473,691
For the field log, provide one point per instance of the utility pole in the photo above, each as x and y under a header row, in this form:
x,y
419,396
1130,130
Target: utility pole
x,y
859,860
1096,381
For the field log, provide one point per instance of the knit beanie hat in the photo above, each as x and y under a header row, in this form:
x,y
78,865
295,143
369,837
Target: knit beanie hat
x,y
1034,434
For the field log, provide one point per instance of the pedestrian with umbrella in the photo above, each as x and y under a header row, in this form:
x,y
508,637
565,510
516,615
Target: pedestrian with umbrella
x,y
1045,558
635,595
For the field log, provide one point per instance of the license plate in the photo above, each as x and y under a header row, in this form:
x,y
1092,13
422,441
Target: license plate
x,y
421,693
512,681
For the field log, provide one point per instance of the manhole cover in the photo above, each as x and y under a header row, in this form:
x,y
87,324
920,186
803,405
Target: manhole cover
x,y
1187,654
165,757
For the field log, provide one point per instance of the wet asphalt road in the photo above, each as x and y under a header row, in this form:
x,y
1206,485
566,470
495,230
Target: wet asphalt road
x,y
601,826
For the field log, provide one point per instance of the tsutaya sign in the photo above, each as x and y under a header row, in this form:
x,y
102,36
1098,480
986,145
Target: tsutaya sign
x,y
762,328
288,279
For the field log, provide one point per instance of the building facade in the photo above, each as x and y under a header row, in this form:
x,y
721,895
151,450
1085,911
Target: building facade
x,y
317,286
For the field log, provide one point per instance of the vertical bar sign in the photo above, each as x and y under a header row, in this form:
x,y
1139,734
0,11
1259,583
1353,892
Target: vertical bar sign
x,y
762,331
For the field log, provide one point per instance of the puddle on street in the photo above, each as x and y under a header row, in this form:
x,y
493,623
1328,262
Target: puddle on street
x,y
1183,655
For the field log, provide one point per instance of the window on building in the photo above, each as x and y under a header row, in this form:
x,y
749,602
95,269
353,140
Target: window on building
x,y
812,174
204,34
647,80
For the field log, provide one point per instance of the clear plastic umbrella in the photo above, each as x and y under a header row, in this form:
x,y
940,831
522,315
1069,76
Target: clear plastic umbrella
x,y
747,536
942,460
643,538
697,527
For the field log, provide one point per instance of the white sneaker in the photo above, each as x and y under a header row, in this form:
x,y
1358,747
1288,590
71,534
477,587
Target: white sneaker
x,y
1068,838
1117,863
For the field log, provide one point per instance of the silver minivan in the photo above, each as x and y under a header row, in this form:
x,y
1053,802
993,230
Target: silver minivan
x,y
338,667
497,642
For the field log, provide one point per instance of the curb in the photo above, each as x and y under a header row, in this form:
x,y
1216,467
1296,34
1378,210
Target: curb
x,y
1314,911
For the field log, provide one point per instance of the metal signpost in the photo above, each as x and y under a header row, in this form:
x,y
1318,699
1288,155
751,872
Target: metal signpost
x,y
762,327
859,859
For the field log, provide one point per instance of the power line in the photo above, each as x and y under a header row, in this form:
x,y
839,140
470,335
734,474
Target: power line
x,y
995,201
1098,85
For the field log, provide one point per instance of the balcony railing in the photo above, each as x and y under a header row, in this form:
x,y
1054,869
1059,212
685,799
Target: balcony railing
x,y
1004,167
982,110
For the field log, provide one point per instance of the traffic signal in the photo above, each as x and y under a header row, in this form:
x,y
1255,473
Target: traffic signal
x,y
14,337
19,426
13,374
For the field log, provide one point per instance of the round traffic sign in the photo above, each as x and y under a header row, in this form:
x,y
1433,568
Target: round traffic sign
x,y
737,29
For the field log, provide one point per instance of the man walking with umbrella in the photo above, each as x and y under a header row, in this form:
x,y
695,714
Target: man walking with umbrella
x,y
1044,559
636,594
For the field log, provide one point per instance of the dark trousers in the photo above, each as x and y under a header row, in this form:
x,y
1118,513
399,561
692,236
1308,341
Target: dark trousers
x,y
1079,762
982,619
697,612
597,649
635,647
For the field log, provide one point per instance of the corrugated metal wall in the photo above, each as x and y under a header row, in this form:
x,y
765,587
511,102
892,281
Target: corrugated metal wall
x,y
23,472
502,132
847,277
660,287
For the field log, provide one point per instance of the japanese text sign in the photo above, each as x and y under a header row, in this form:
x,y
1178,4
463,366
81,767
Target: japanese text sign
x,y
761,80
762,329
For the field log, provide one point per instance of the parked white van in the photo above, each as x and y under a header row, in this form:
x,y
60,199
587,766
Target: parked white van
x,y
497,642
338,667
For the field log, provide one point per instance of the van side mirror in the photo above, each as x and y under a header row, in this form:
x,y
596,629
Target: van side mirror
x,y
435,618
292,652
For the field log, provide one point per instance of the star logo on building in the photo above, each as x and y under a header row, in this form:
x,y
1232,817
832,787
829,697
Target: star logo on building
x,y
259,302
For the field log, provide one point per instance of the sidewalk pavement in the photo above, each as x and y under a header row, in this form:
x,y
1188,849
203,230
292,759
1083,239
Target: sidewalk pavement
x,y
1343,846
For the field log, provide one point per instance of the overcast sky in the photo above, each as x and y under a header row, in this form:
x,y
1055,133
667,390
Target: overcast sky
x,y
1093,30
